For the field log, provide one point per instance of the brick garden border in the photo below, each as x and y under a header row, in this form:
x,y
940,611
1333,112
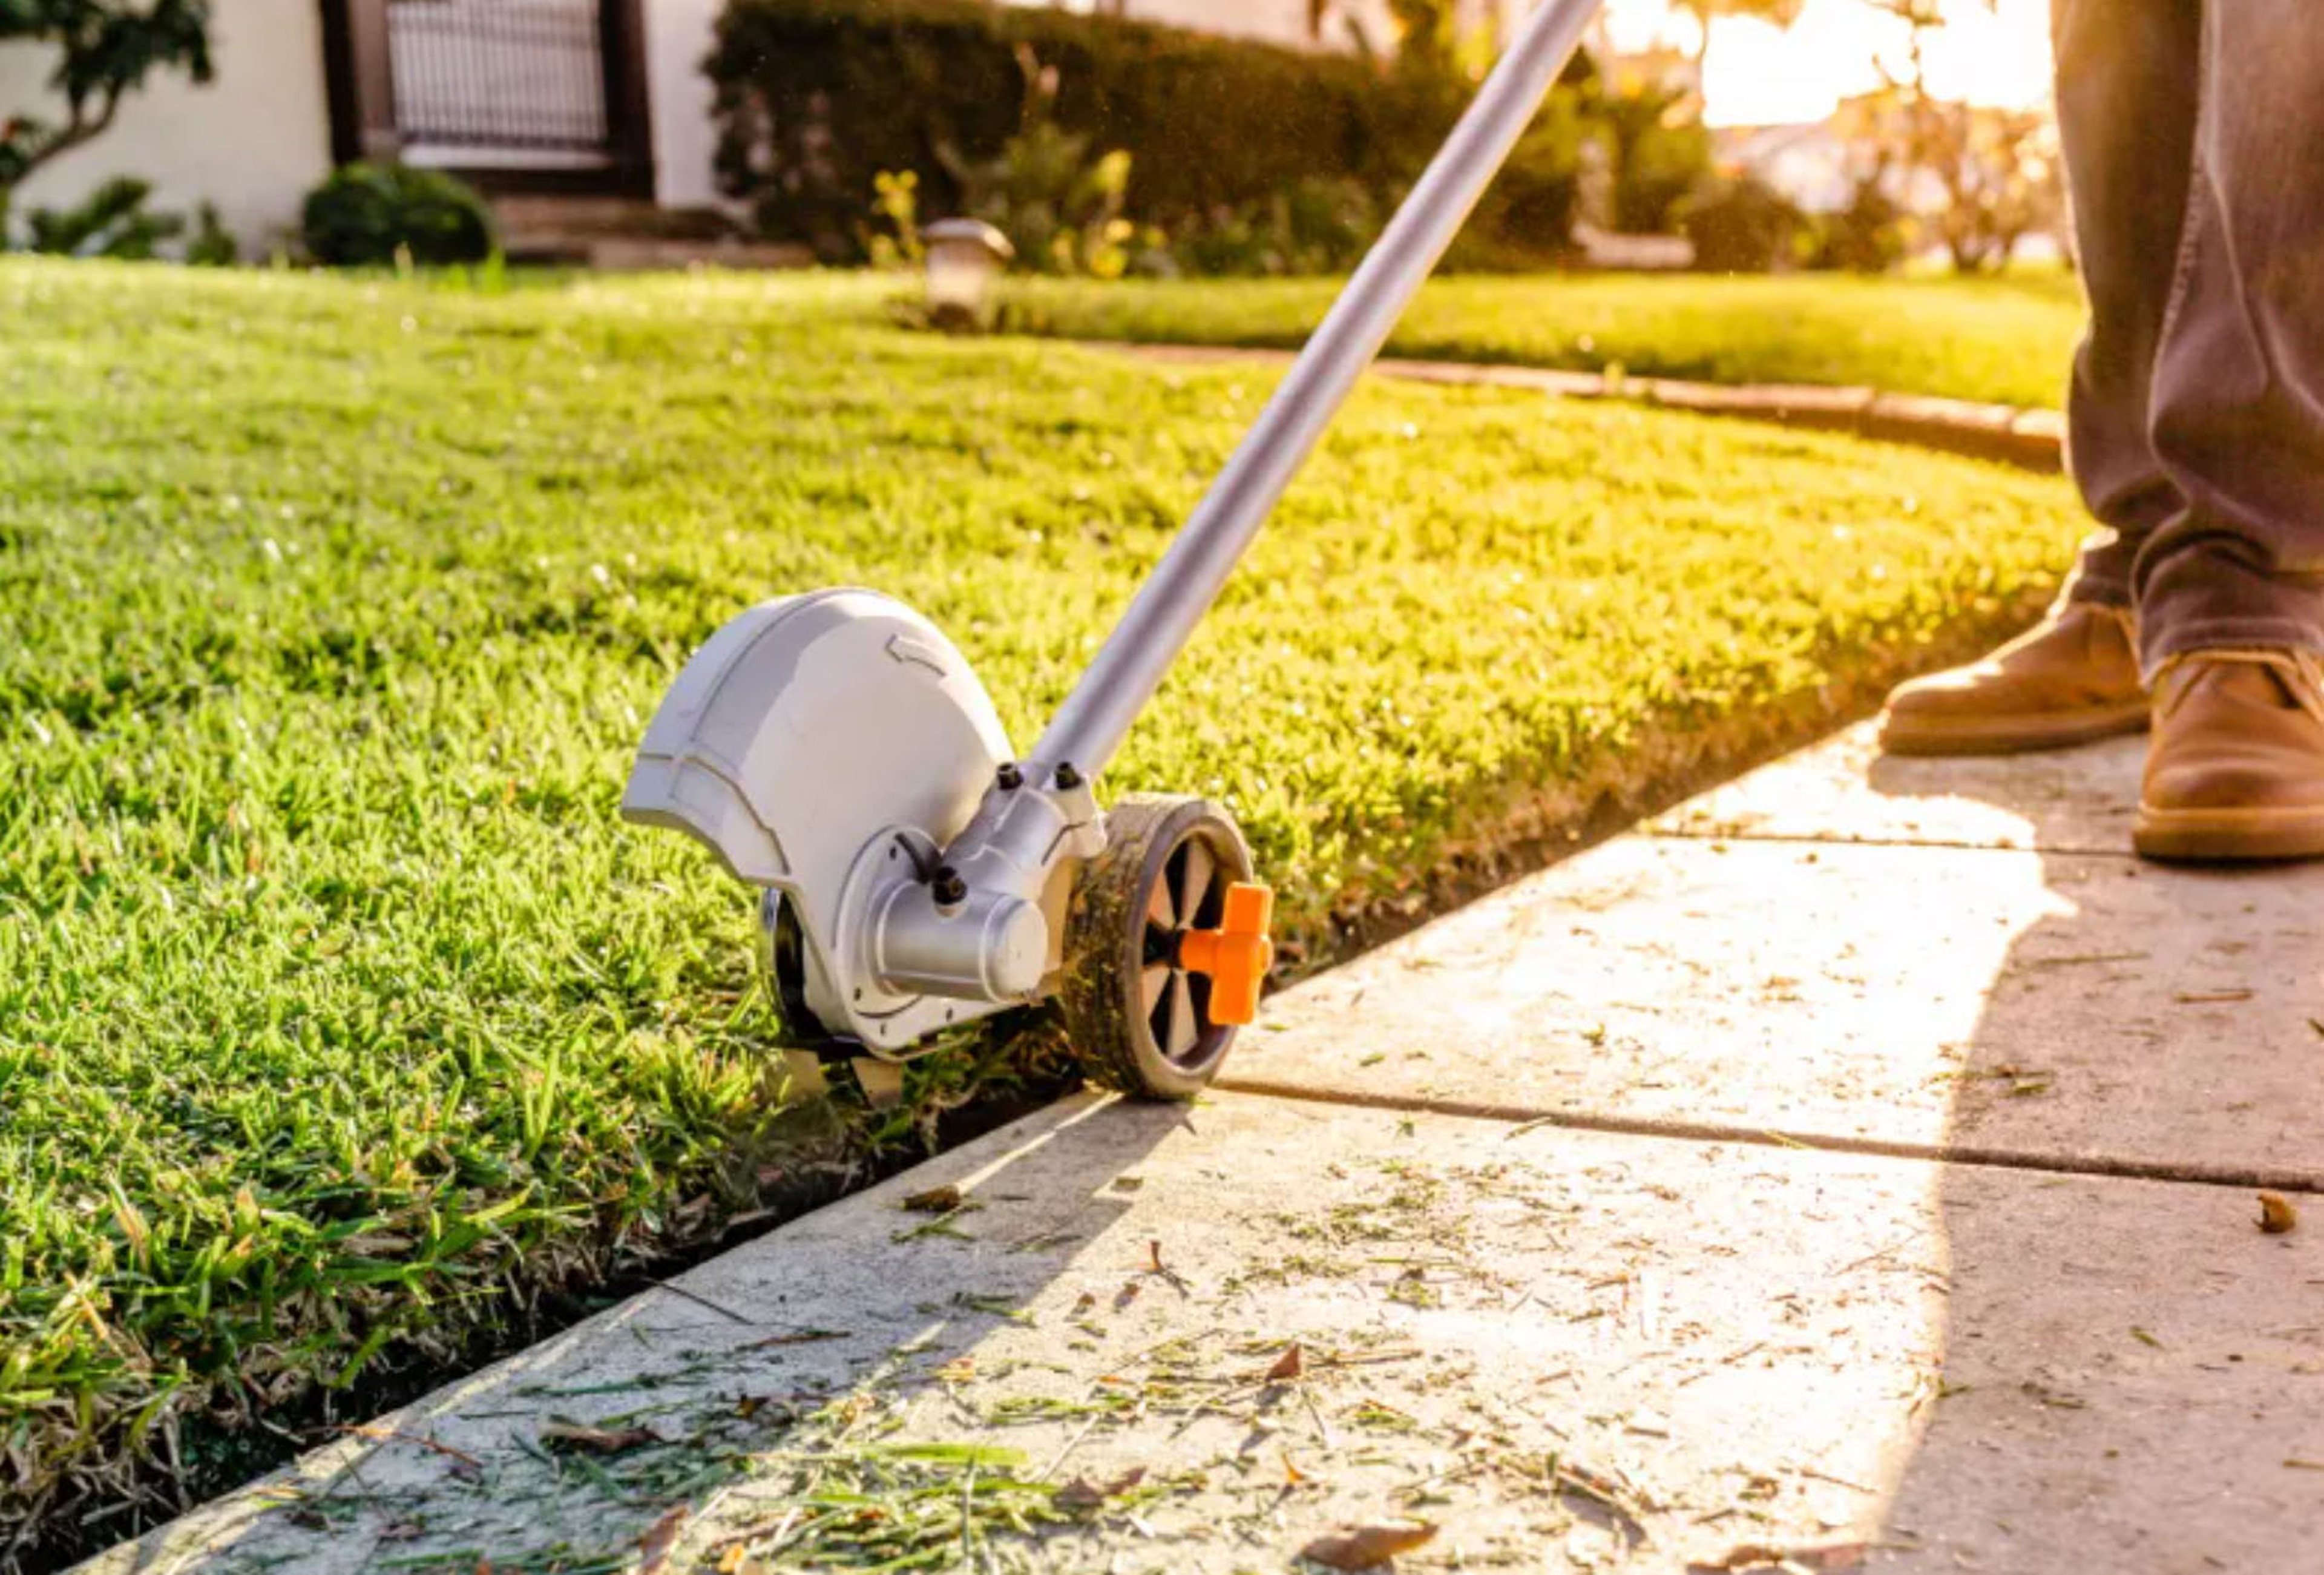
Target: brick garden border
x,y
2029,439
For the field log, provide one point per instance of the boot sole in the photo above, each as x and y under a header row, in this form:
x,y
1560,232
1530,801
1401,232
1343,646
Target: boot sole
x,y
2008,736
2229,835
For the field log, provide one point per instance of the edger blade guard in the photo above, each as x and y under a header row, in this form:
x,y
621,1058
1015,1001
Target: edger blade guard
x,y
806,730
809,722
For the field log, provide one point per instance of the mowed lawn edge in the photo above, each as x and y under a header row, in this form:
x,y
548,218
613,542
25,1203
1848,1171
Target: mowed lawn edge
x,y
2005,340
341,1022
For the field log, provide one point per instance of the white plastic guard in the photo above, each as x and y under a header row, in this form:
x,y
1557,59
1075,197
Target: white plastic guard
x,y
804,728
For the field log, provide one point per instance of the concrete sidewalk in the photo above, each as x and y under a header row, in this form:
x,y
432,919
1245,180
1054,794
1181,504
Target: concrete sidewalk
x,y
1855,1166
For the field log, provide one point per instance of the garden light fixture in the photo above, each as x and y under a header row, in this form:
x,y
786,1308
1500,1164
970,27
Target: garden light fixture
x,y
964,259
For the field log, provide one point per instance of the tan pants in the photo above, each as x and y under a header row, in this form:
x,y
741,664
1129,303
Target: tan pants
x,y
2194,140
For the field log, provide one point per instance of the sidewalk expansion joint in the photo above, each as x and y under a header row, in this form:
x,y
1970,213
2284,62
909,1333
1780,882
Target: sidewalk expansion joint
x,y
1810,839
1972,1156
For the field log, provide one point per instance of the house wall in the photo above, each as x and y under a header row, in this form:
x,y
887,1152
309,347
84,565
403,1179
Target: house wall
x,y
1286,22
252,141
684,139
1275,21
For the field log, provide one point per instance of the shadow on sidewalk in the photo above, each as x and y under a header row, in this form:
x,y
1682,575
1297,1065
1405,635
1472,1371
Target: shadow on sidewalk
x,y
567,1457
2132,1372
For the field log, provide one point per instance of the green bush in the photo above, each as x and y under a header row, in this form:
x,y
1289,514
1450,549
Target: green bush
x,y
893,240
1658,152
1743,226
213,245
1527,214
1313,226
1867,235
1057,200
110,222
365,215
815,98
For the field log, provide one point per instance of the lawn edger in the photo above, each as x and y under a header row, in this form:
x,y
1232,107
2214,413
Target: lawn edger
x,y
835,749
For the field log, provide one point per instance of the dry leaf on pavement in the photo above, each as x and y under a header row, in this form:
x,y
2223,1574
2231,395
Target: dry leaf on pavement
x,y
2277,1217
596,1440
940,1200
1368,1545
1081,1493
659,1539
1610,1493
1750,1556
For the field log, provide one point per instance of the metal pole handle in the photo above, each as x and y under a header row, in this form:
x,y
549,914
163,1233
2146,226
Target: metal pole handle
x,y
1095,717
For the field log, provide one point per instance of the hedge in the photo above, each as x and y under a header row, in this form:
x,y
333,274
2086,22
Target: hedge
x,y
816,96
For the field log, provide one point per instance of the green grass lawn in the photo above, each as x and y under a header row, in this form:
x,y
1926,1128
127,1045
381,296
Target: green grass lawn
x,y
2005,341
338,1012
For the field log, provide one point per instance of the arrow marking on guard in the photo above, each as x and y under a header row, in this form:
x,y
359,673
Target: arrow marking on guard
x,y
903,647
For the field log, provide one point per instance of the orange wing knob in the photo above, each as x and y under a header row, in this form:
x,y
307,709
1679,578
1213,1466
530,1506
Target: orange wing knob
x,y
1235,956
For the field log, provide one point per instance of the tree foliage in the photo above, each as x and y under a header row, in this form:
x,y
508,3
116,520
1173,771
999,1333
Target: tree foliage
x,y
1658,150
105,50
1782,12
1992,176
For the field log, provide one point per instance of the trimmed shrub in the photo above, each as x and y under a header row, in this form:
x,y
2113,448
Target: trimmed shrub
x,y
362,215
1745,225
1867,235
815,98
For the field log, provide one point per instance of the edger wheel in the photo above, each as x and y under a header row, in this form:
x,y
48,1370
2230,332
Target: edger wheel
x,y
1140,1019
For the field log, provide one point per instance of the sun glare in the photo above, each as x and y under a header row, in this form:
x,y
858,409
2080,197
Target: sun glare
x,y
1759,74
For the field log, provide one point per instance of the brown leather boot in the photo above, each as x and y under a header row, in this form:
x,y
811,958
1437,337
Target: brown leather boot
x,y
2237,768
2071,680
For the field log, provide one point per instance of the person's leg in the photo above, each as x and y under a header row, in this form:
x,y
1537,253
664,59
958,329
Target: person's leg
x,y
2231,590
2238,401
2126,84
2127,101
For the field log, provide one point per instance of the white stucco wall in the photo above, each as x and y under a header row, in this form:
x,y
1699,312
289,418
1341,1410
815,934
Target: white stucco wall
x,y
685,138
1285,22
252,141
1274,22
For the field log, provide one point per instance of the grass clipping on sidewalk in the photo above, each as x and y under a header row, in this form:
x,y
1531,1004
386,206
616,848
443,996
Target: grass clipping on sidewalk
x,y
340,1017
